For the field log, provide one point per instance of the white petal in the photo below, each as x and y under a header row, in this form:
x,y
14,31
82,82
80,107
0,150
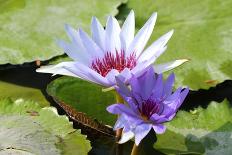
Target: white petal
x,y
57,69
74,52
160,68
128,30
142,36
92,48
139,69
72,33
91,75
112,40
98,33
125,75
111,75
126,136
154,48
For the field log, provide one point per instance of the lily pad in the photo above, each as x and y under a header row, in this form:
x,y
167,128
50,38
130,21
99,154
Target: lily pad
x,y
25,128
202,34
201,131
28,27
84,97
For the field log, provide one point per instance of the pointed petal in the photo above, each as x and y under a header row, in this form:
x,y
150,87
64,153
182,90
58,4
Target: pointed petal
x,y
72,33
155,118
140,68
141,38
74,52
126,136
125,75
120,108
154,49
160,68
120,123
112,40
57,69
89,74
92,48
98,33
128,30
158,89
168,85
122,88
159,128
141,131
111,75
183,94
147,82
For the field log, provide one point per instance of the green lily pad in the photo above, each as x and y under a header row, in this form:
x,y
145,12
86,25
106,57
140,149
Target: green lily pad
x,y
202,131
25,128
84,97
202,34
28,27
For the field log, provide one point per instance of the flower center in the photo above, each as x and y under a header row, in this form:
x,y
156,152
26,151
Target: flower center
x,y
110,61
148,108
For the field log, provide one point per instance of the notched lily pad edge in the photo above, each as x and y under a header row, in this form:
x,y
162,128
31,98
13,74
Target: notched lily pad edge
x,y
82,120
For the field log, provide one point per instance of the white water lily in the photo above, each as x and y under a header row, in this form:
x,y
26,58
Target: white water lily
x,y
112,52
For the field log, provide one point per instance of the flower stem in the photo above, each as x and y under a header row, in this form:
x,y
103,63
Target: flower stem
x,y
119,148
119,99
135,150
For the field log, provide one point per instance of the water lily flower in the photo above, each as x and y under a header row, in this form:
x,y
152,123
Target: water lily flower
x,y
111,52
150,104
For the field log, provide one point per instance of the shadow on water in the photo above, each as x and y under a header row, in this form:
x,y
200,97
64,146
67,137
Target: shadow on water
x,y
204,97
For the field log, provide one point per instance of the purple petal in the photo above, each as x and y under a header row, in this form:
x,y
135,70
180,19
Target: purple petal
x,y
147,82
141,131
156,119
168,85
122,88
121,109
174,96
159,128
120,123
158,88
183,94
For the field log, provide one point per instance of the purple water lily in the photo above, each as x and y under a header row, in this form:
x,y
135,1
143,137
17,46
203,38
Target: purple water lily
x,y
113,51
150,104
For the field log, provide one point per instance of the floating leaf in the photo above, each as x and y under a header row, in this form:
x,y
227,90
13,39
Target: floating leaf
x,y
202,34
202,131
28,27
84,97
25,128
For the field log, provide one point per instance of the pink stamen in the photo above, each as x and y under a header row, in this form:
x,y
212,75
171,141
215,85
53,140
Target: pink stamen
x,y
110,61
